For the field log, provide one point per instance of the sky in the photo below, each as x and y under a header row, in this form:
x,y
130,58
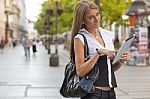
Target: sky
x,y
33,8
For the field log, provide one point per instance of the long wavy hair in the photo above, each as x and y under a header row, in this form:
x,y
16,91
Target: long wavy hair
x,y
81,8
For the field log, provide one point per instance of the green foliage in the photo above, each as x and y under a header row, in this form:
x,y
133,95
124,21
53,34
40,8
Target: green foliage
x,y
64,20
111,11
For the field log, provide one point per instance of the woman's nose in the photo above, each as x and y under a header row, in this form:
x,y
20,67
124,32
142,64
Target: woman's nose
x,y
96,19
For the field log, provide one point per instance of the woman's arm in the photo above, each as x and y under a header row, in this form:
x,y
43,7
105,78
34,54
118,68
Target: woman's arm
x,y
117,65
83,67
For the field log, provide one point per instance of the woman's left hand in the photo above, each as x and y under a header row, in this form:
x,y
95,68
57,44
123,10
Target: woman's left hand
x,y
126,56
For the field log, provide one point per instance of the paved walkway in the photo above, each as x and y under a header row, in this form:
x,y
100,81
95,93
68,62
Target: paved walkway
x,y
35,79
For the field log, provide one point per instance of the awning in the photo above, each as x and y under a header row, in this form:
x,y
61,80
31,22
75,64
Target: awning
x,y
137,7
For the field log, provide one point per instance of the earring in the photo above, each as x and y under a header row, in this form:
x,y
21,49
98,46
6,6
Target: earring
x,y
83,25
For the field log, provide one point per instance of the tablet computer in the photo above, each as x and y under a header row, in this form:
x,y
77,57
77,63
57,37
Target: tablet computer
x,y
126,44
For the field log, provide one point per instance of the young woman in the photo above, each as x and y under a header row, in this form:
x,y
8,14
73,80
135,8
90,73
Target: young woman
x,y
101,48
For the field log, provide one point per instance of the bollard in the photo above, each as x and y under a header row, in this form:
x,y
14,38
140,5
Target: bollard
x,y
54,60
49,51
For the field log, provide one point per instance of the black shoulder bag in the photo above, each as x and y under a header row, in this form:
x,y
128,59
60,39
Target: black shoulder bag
x,y
75,86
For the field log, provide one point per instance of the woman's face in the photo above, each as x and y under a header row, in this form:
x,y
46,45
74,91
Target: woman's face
x,y
92,19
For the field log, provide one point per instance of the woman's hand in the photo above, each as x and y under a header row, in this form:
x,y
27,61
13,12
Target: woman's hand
x,y
110,54
125,57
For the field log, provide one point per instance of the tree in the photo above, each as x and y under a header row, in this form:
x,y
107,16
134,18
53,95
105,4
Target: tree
x,y
64,20
110,10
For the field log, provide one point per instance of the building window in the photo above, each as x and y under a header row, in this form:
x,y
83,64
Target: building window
x,y
7,3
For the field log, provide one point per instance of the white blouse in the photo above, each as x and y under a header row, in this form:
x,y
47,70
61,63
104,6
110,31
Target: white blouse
x,y
93,43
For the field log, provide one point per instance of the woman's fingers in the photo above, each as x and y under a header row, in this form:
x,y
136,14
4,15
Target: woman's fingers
x,y
110,54
115,51
126,56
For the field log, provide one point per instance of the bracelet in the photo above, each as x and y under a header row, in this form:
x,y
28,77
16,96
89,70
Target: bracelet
x,y
98,52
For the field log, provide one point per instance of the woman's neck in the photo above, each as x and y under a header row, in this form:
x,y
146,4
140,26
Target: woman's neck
x,y
92,31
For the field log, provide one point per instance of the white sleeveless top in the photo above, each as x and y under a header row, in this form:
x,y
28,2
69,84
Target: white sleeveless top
x,y
93,44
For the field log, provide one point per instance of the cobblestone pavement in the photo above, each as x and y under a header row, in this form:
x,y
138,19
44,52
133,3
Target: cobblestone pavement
x,y
35,79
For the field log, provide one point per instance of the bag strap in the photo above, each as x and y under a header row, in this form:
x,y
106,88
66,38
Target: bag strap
x,y
86,48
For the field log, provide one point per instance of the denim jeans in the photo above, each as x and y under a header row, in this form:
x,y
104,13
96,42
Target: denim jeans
x,y
27,51
101,94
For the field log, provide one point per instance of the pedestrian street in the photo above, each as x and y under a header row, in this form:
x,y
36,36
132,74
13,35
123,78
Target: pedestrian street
x,y
35,79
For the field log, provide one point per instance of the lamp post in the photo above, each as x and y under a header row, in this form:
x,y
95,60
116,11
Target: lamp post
x,y
54,59
148,31
57,13
44,32
97,2
6,26
148,39
49,12
124,18
7,13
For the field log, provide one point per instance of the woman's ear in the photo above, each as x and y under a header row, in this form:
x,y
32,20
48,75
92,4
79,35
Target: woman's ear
x,y
82,22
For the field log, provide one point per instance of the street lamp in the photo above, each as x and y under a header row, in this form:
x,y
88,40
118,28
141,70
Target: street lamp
x,y
148,39
97,2
49,12
57,13
45,30
7,13
124,18
6,26
54,59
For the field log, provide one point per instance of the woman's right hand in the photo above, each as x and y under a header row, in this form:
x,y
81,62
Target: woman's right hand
x,y
110,54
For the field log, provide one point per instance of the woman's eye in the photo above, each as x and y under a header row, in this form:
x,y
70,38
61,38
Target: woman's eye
x,y
97,14
91,17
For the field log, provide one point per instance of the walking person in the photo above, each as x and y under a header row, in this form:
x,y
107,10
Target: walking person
x,y
101,49
34,50
2,45
14,42
26,45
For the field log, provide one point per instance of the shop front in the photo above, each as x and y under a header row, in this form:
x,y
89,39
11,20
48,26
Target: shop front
x,y
138,14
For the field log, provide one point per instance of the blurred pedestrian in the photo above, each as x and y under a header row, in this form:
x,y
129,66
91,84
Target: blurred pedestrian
x,y
14,42
117,42
34,50
2,45
26,45
9,41
101,50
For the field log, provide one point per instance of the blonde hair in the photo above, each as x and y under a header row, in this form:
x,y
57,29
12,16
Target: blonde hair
x,y
81,8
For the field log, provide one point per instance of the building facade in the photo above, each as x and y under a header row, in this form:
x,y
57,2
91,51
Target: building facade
x,y
11,16
2,20
12,19
19,19
23,20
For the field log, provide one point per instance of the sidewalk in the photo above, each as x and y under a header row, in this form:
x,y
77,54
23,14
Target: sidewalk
x,y
35,79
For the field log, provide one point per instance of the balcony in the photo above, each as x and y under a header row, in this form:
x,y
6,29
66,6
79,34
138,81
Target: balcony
x,y
8,10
